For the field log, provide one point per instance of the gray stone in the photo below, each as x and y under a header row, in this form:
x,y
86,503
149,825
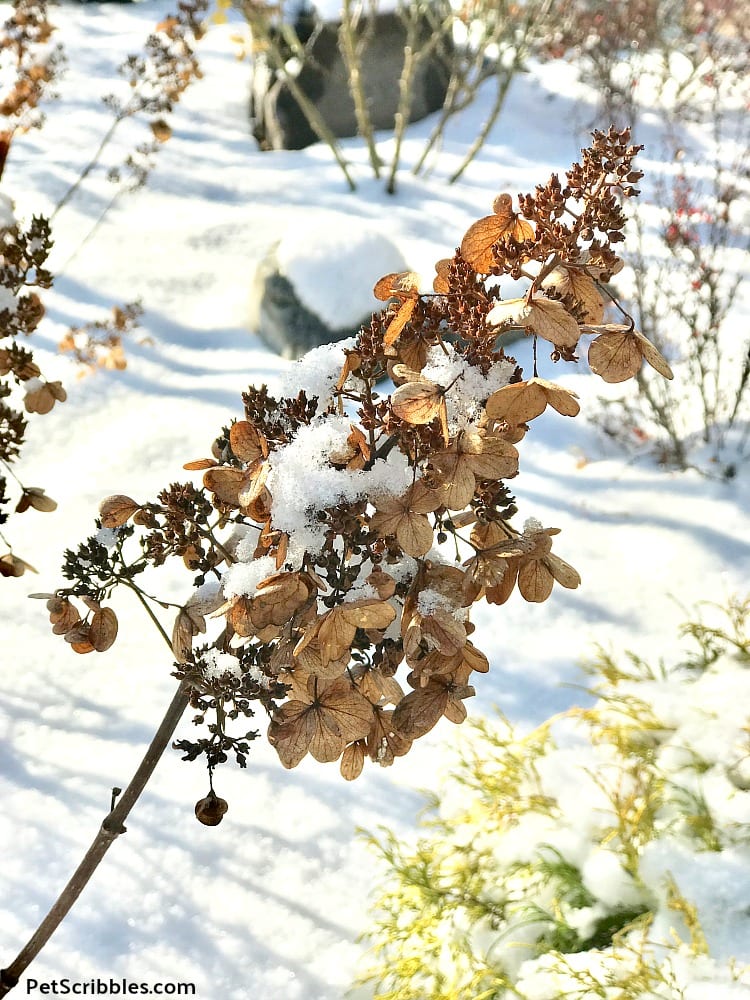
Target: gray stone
x,y
278,122
281,320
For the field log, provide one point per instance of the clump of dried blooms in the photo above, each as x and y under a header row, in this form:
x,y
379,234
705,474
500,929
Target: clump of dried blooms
x,y
22,385
30,65
99,344
342,532
158,78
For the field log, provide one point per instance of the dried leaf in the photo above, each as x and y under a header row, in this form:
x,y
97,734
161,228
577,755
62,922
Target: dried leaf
x,y
445,630
42,399
277,599
535,581
225,483
653,356
291,731
38,499
63,615
82,647
246,443
310,658
552,321
238,616
116,510
523,401
199,464
161,129
616,356
398,322
352,761
323,723
182,635
418,402
510,311
395,516
563,572
11,565
580,286
501,593
399,284
482,235
383,583
103,629
441,283
422,709
384,743
475,658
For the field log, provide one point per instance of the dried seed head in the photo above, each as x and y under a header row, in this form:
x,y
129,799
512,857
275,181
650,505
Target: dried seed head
x,y
210,810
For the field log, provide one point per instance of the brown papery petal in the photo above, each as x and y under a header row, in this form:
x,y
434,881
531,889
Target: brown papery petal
x,y
615,357
225,483
552,321
398,322
535,581
653,356
114,511
420,710
418,402
103,629
440,283
245,441
580,286
479,239
517,403
352,761
560,399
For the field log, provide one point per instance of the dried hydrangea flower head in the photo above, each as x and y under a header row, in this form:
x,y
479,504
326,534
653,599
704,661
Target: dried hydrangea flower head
x,y
342,531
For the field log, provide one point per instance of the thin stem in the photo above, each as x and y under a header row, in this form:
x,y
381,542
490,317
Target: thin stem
x,y
259,26
149,612
12,473
90,234
91,164
351,50
110,830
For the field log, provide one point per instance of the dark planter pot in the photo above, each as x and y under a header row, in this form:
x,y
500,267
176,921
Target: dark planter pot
x,y
279,123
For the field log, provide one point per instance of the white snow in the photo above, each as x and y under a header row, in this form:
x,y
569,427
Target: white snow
x,y
302,482
7,215
312,252
469,387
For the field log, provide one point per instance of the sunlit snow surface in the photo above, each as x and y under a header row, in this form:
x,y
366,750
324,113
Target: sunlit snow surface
x,y
269,904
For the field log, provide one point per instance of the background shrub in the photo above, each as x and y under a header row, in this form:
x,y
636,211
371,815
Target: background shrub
x,y
603,854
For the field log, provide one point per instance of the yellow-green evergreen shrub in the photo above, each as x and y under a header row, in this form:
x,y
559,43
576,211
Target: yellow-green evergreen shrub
x,y
604,855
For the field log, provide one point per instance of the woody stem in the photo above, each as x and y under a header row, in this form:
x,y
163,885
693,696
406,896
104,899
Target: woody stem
x,y
110,830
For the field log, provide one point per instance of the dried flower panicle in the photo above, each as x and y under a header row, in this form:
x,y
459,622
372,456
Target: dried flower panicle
x,y
157,79
342,532
22,385
99,344
30,65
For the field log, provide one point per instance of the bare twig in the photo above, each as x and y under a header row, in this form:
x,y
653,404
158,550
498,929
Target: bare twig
x,y
110,830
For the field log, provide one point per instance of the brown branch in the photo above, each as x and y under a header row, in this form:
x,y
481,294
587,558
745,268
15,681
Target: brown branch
x,y
110,830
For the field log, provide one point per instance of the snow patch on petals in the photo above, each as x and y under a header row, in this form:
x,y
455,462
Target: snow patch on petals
x,y
303,482
317,372
471,388
242,578
217,664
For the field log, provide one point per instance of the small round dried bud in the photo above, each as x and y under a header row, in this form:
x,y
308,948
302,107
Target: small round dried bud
x,y
161,130
210,811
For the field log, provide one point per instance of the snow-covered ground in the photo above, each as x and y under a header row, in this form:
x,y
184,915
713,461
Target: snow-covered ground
x,y
269,904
